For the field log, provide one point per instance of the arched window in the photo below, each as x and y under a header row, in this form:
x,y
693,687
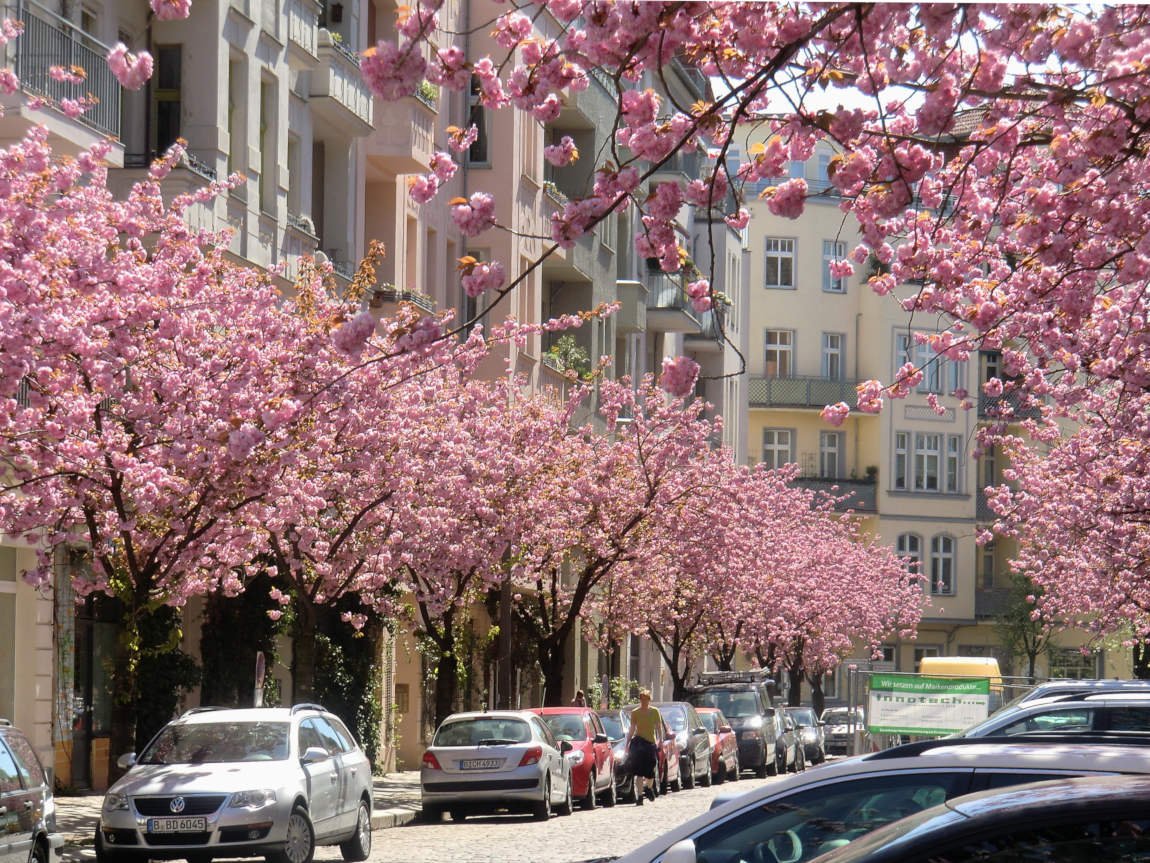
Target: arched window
x,y
942,565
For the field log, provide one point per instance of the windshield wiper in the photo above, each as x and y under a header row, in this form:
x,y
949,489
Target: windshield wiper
x,y
496,741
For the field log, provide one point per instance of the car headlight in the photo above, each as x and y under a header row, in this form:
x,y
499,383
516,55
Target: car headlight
x,y
252,799
114,801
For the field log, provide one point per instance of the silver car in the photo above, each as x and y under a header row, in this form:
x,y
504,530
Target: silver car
x,y
269,782
493,760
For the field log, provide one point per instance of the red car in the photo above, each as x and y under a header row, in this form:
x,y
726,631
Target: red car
x,y
592,762
724,744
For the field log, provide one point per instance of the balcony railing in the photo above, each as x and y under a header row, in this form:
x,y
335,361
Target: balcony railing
x,y
861,495
991,407
803,392
303,28
989,604
338,91
49,40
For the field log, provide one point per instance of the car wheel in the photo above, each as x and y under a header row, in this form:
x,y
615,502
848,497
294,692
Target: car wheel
x,y
103,855
610,794
590,801
299,846
689,779
736,771
458,815
802,761
705,780
358,847
542,809
568,804
38,854
677,785
627,792
721,774
432,814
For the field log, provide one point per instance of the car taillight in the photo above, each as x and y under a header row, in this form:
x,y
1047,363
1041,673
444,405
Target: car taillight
x,y
531,756
430,761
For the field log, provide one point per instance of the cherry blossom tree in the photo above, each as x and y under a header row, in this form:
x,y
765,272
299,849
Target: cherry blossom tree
x,y
147,382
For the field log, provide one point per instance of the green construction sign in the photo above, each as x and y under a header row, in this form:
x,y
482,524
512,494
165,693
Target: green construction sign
x,y
932,706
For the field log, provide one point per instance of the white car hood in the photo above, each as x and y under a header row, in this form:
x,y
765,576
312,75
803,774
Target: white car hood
x,y
148,779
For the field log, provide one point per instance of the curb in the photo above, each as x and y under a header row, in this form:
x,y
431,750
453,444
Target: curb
x,y
383,819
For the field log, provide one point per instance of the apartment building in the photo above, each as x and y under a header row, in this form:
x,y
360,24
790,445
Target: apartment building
x,y
910,471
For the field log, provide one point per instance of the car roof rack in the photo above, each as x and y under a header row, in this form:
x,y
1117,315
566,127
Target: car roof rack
x,y
761,675
1118,738
195,710
296,708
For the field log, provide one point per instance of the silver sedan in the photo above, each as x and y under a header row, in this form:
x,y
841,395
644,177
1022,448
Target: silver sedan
x,y
492,761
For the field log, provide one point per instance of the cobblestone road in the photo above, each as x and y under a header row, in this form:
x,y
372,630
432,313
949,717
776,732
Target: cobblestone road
x,y
518,839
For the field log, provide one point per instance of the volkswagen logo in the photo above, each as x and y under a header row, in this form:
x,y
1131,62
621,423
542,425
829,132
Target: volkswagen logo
x,y
177,805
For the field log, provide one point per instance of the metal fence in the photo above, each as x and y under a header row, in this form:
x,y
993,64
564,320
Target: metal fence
x,y
49,40
801,392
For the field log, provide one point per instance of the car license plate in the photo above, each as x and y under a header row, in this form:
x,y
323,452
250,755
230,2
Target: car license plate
x,y
480,763
177,825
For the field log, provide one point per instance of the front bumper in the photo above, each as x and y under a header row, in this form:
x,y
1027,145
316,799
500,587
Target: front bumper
x,y
751,753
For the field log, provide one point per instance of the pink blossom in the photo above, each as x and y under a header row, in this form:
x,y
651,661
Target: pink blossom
x,y
392,72
787,199
993,388
9,83
483,277
422,187
171,10
462,139
870,396
243,440
475,215
563,153
739,220
679,376
443,166
836,414
131,70
70,75
351,338
9,30
420,336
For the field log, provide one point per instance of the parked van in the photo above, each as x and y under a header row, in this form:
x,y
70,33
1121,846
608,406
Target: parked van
x,y
967,666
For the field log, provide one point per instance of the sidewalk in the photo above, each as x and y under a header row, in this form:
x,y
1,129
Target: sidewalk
x,y
396,802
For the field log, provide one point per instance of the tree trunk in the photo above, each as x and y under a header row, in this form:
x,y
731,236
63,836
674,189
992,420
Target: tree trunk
x,y
1142,661
122,734
303,652
795,687
552,663
818,697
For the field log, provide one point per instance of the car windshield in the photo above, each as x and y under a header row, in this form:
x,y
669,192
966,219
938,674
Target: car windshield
x,y
211,742
840,716
566,727
482,731
676,717
733,704
613,725
802,715
710,721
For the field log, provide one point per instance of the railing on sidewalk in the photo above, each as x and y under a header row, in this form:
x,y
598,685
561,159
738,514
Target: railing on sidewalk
x,y
49,40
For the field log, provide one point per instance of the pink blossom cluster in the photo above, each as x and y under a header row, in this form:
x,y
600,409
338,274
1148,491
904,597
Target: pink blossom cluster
x,y
563,153
679,376
171,10
474,215
699,293
424,187
482,277
393,71
131,70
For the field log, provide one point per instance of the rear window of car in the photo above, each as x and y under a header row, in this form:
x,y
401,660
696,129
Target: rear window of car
x,y
733,704
566,727
482,731
218,742
613,725
710,721
803,715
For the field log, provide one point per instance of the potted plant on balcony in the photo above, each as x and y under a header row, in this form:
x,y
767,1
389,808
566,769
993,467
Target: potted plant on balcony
x,y
568,358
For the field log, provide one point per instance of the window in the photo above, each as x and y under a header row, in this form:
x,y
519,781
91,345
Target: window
x,y
1072,663
924,650
909,546
833,356
777,447
824,177
928,467
479,152
942,565
780,263
830,454
987,566
939,375
780,345
1067,840
9,776
269,157
166,103
833,250
989,467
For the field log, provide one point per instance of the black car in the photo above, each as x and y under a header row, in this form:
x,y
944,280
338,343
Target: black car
x,y
615,723
692,739
1097,818
27,810
747,704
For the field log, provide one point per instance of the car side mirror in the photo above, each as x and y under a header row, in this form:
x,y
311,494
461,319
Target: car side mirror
x,y
681,852
128,759
700,730
600,738
725,729
670,735
314,754
565,746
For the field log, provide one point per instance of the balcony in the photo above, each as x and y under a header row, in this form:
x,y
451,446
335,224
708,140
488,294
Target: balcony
x,y
990,408
668,310
303,32
403,141
632,314
861,494
339,95
990,604
710,338
49,40
800,392
577,264
386,298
